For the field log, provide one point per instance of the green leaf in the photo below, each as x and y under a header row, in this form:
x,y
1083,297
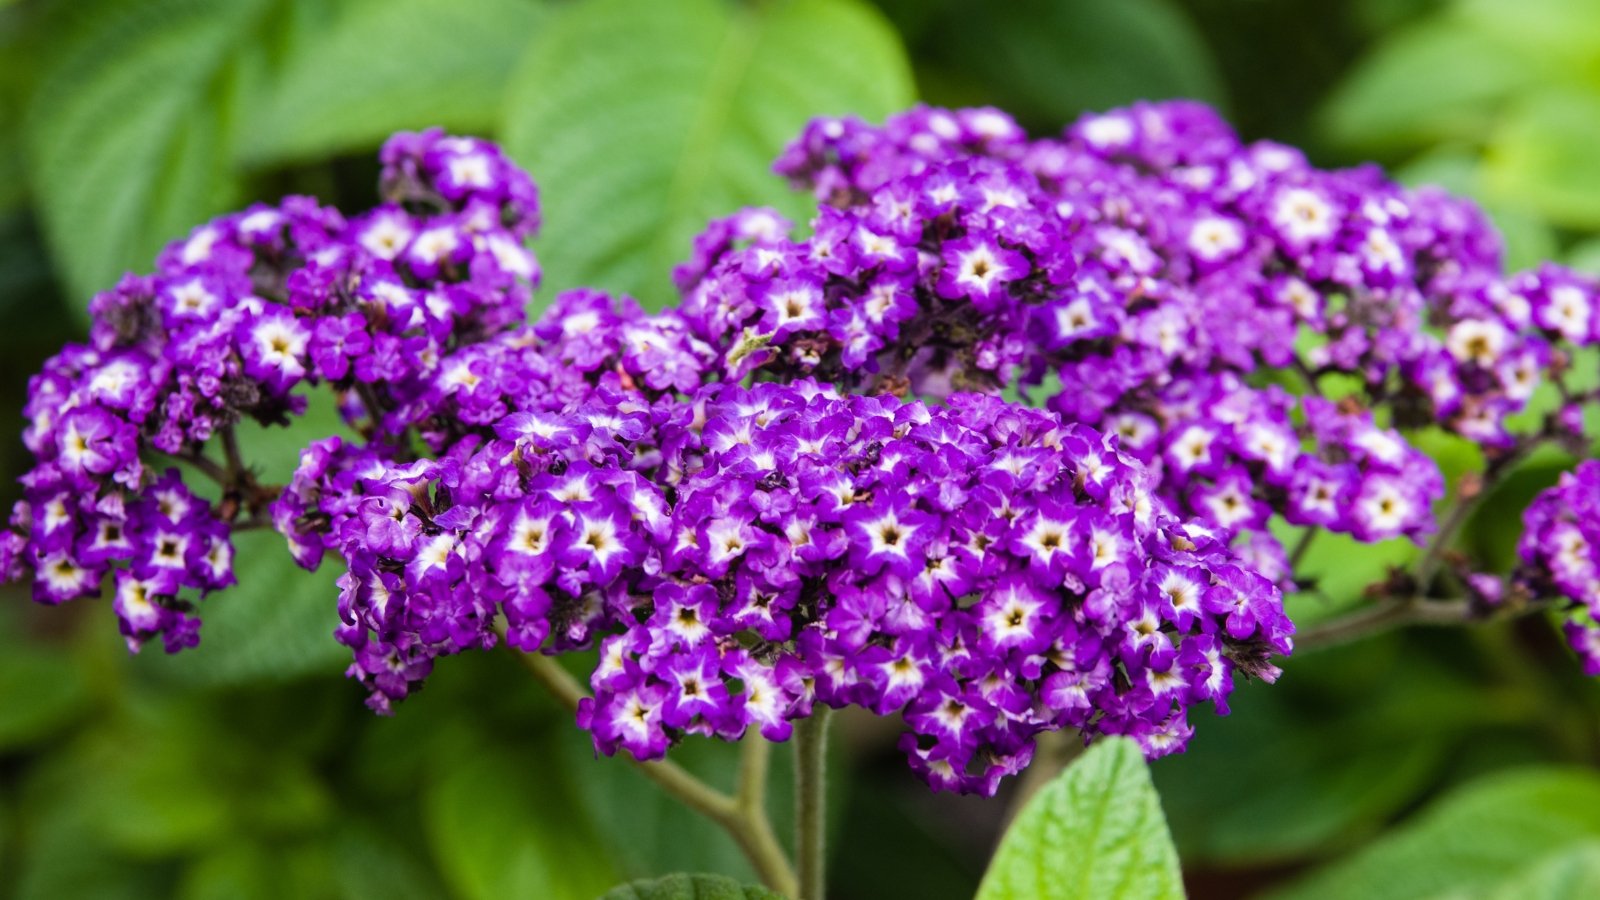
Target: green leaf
x,y
237,872
277,623
1542,154
124,135
1585,256
1573,875
21,35
504,824
247,870
64,857
1352,736
689,887
151,797
356,71
642,120
1477,835
41,692
1096,831
371,865
649,831
1438,81
1048,61
1562,33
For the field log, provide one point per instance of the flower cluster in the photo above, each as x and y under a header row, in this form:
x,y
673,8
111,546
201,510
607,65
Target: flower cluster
x,y
234,319
983,569
801,485
1149,267
1560,551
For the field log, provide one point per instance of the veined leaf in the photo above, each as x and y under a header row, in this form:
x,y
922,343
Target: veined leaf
x,y
642,120
354,72
505,825
124,135
1094,833
1484,832
689,887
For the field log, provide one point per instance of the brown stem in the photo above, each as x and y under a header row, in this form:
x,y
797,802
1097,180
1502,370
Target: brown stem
x,y
230,449
1301,547
209,468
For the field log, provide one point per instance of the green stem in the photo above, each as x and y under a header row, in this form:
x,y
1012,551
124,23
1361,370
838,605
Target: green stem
x,y
1407,611
810,791
1381,617
742,816
754,832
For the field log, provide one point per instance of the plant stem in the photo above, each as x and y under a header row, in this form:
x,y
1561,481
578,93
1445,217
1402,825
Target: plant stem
x,y
1433,557
743,816
1381,617
209,468
230,449
754,833
810,791
1298,554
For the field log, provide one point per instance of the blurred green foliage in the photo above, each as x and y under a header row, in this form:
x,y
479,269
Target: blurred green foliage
x,y
248,768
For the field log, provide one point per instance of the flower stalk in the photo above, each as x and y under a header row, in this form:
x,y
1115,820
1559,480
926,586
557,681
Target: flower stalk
x,y
811,788
742,815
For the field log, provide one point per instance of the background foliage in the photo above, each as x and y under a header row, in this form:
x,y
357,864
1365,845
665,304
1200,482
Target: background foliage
x,y
1414,765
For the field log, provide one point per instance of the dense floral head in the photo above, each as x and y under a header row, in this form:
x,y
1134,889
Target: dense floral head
x,y
983,569
1142,273
801,484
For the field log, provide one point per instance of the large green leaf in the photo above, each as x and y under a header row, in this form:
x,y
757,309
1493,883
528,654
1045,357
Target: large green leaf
x,y
1047,61
504,824
1563,33
370,864
1482,833
277,623
642,120
689,887
41,692
1094,833
124,134
1346,740
147,114
64,857
253,871
1437,81
1543,155
24,35
353,72
1450,75
1572,875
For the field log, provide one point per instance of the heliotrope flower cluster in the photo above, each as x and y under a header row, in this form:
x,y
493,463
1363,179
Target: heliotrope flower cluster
x,y
983,569
234,319
801,485
1148,268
